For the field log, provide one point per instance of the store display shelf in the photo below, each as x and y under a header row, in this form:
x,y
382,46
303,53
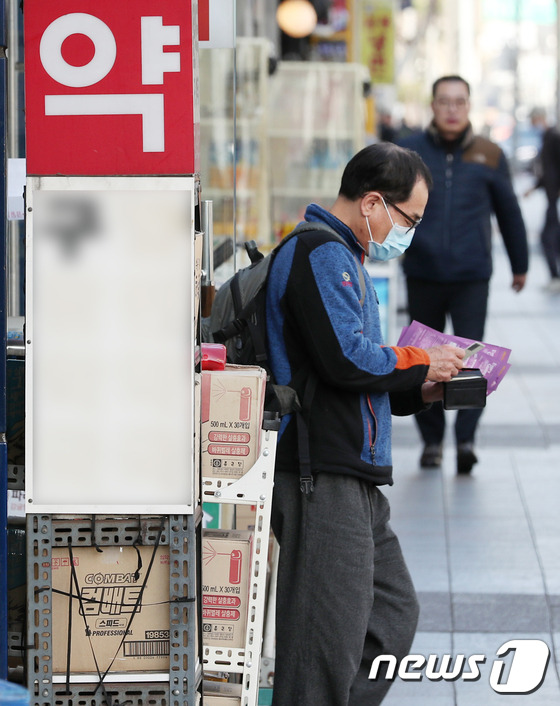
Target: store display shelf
x,y
119,678
178,533
137,694
255,487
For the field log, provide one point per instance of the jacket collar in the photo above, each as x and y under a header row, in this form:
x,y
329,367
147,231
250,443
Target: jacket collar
x,y
314,212
466,141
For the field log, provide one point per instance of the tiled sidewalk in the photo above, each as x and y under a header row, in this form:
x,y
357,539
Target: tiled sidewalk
x,y
484,550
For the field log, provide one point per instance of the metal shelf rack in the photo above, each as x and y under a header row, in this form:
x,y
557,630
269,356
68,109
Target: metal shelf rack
x,y
254,488
181,685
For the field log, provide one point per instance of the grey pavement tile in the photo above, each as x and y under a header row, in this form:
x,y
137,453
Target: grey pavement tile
x,y
492,502
428,576
435,611
493,613
503,429
555,612
532,433
538,469
416,500
552,579
490,578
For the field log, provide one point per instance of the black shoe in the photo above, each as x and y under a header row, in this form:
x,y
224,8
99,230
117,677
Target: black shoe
x,y
431,456
466,457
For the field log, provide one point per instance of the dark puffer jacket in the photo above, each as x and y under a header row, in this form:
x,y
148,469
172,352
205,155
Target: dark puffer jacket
x,y
453,242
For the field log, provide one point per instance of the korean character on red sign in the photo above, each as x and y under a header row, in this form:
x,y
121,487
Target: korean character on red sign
x,y
111,90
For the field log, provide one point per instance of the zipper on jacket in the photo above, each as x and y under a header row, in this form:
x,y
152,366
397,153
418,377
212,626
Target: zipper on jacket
x,y
373,440
448,183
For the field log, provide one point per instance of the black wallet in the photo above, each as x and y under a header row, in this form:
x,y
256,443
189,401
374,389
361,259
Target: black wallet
x,y
467,390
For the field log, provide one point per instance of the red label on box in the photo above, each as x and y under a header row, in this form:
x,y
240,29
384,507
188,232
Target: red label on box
x,y
219,450
220,614
231,601
110,90
229,437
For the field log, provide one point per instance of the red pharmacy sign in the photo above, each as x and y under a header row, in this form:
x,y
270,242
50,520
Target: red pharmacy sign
x,y
111,89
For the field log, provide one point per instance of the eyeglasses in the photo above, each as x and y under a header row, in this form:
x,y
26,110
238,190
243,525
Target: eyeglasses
x,y
447,103
413,222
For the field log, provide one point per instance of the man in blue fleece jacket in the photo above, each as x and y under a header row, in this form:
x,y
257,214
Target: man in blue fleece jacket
x,y
448,267
344,593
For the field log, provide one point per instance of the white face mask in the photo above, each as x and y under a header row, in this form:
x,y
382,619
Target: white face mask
x,y
397,241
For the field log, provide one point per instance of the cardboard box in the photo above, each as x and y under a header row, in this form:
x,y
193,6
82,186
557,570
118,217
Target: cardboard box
x,y
226,559
245,517
221,694
232,412
109,590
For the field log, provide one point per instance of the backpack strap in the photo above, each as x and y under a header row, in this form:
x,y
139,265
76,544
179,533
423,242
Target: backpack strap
x,y
306,483
318,225
245,313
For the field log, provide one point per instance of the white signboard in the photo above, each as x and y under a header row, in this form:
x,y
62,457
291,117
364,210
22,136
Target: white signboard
x,y
109,345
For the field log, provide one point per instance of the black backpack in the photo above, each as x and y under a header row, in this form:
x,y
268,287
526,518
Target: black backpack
x,y
238,320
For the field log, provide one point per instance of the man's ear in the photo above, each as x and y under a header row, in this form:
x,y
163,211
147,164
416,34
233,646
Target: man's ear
x,y
369,201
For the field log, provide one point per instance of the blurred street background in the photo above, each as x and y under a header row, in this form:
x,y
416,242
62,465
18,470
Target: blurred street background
x,y
484,549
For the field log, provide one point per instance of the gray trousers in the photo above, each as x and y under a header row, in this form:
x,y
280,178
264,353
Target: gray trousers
x,y
344,593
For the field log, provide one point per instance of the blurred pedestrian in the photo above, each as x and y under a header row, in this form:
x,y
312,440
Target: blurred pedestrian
x,y
387,131
547,169
449,264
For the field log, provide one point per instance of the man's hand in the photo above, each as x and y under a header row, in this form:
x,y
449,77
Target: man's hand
x,y
432,392
445,362
518,282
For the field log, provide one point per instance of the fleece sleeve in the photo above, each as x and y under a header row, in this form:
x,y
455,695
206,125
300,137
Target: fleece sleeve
x,y
341,335
407,402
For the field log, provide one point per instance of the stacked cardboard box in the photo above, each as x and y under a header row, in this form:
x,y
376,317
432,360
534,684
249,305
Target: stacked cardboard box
x,y
109,584
226,558
232,412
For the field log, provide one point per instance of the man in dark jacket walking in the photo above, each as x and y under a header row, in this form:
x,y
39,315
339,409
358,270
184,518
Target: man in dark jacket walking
x,y
548,178
449,264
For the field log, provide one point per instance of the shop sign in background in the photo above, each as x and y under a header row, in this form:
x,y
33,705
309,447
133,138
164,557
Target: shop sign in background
x,y
111,92
378,41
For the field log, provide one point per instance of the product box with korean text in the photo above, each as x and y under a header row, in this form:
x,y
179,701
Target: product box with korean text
x,y
226,559
232,412
109,585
